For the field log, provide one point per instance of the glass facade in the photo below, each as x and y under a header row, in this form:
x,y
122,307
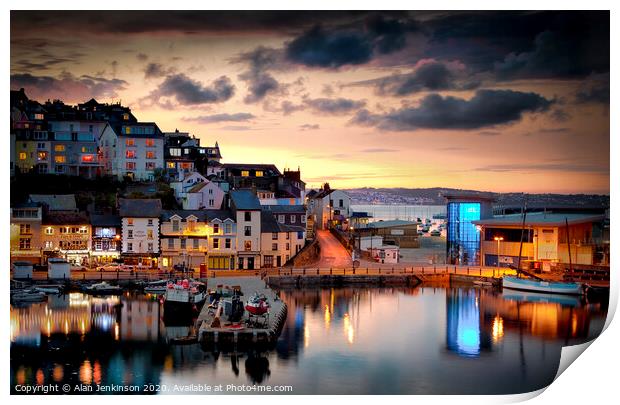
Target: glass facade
x,y
463,239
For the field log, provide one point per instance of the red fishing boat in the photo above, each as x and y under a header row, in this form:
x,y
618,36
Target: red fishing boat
x,y
257,304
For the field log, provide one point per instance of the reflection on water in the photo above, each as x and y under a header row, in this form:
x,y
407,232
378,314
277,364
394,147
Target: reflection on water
x,y
365,340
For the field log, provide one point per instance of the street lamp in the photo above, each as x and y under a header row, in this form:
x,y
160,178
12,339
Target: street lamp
x,y
498,239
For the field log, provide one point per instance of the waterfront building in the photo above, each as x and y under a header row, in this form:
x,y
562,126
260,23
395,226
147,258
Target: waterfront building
x,y
25,232
279,241
106,243
247,211
545,239
330,208
194,237
463,238
385,253
136,152
359,220
67,235
140,231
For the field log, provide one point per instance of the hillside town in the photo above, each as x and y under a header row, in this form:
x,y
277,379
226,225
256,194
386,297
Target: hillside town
x,y
223,215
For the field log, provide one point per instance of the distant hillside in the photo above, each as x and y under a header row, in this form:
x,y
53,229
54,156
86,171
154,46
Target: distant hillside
x,y
435,196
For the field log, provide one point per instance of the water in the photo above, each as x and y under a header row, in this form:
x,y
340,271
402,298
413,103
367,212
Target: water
x,y
387,212
335,341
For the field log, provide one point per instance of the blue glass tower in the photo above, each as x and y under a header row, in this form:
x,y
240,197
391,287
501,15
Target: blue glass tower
x,y
463,238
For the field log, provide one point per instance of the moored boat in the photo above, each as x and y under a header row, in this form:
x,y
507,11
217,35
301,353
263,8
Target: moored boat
x,y
48,289
183,299
27,295
257,304
550,287
103,288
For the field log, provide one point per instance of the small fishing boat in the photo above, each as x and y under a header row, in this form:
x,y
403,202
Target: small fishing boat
x,y
550,287
103,288
28,295
183,299
49,289
257,304
156,287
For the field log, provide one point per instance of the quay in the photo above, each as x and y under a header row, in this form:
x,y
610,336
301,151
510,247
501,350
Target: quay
x,y
209,335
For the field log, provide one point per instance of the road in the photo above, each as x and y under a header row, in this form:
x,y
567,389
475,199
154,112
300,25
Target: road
x,y
333,254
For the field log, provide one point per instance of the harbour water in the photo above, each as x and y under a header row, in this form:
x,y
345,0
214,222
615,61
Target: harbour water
x,y
421,340
387,212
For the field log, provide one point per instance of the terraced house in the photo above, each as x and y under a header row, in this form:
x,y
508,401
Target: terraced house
x,y
190,238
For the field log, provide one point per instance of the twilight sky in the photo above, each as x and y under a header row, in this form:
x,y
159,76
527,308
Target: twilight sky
x,y
497,101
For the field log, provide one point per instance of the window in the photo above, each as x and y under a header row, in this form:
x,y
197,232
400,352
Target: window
x,y
288,236
150,222
41,156
59,148
175,225
216,228
300,235
247,245
340,203
331,203
216,243
130,165
248,231
196,243
170,165
150,165
183,243
274,246
130,221
130,142
88,158
211,203
126,117
60,169
39,135
90,128
170,243
227,228
245,173
150,247
175,152
38,116
268,261
130,234
211,191
303,219
129,246
24,229
259,173
60,159
98,245
281,219
22,155
150,154
149,234
227,243
49,230
88,149
24,243
274,236
41,145
49,245
293,219
288,246
130,154
191,225
247,216
150,143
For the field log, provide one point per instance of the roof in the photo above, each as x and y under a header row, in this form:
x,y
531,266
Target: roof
x,y
311,193
284,208
245,200
105,220
360,215
541,219
269,224
65,218
140,207
201,215
391,223
474,197
323,193
56,202
265,167
196,188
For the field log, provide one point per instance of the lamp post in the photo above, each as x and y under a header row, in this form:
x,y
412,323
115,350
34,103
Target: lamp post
x,y
498,239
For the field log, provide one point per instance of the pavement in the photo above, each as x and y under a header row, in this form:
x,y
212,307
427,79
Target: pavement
x,y
333,254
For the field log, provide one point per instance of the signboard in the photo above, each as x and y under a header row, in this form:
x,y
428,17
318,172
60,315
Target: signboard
x,y
397,232
506,259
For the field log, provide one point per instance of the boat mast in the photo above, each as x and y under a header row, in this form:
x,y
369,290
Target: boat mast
x,y
570,260
522,231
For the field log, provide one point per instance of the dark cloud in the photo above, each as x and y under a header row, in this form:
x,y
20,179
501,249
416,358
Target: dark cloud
x,y
187,91
390,34
237,128
260,83
334,106
207,119
431,76
486,108
67,87
594,90
155,70
309,127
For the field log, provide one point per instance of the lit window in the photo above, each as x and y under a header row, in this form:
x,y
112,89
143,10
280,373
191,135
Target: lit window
x,y
130,154
245,173
130,142
88,158
216,243
150,155
60,159
59,148
38,116
150,142
150,166
129,221
42,156
127,130
130,165
22,155
126,117
259,173
170,165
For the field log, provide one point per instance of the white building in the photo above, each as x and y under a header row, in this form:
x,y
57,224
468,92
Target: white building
x,y
279,242
330,206
140,231
195,192
247,209
385,254
136,152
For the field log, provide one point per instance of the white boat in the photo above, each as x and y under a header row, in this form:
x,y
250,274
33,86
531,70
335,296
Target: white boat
x,y
156,287
550,287
184,298
29,295
103,288
48,289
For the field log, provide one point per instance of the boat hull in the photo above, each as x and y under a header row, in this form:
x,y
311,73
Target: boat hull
x,y
547,287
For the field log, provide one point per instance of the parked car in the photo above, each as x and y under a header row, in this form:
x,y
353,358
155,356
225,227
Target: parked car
x,y
76,267
115,267
435,232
